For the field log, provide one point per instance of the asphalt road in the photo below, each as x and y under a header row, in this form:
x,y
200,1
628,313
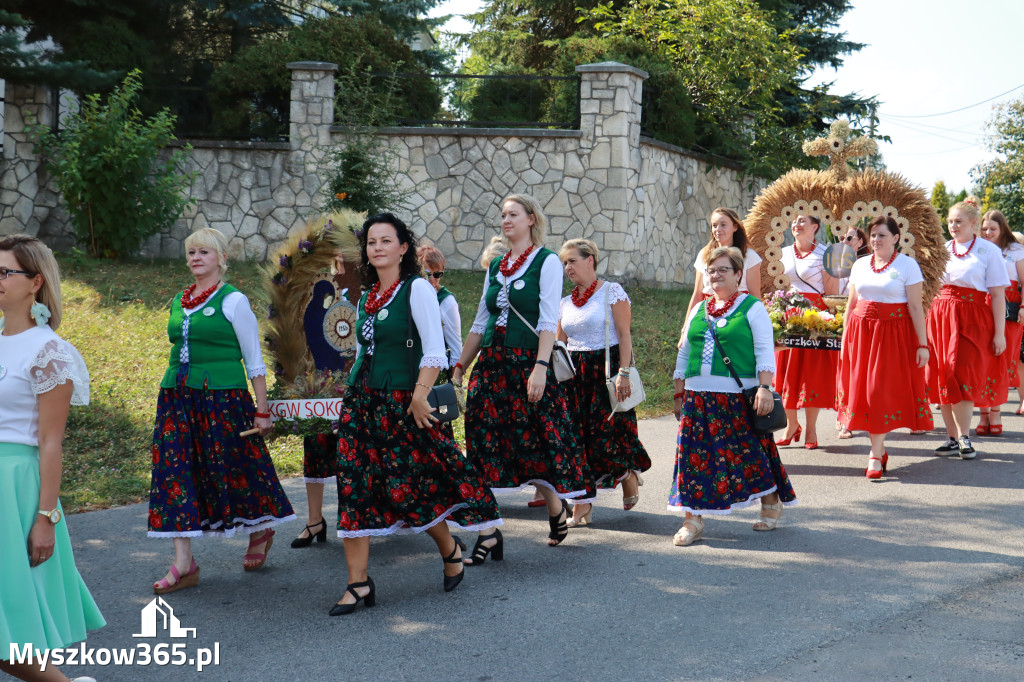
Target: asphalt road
x,y
918,576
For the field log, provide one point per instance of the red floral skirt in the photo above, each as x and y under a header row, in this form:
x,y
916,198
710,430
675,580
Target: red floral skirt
x,y
881,388
960,366
320,458
1006,375
806,377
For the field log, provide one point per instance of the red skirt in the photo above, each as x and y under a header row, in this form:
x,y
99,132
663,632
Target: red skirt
x,y
960,340
881,388
806,377
1005,369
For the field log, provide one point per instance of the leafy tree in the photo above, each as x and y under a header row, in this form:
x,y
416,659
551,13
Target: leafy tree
x,y
1004,175
113,175
940,199
26,63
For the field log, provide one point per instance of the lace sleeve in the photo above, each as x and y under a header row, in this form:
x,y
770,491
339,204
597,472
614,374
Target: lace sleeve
x,y
616,293
57,363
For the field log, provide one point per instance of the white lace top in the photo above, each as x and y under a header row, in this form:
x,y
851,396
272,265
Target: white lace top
x,y
34,362
585,326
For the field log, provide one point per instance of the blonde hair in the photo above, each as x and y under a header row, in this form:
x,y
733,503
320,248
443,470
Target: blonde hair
x,y
36,257
970,206
584,247
539,229
496,248
211,239
730,252
430,255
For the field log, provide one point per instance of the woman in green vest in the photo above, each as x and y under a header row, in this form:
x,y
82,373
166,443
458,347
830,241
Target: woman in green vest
x,y
518,429
398,472
721,464
207,478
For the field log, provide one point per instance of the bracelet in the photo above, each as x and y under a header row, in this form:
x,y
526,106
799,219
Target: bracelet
x,y
424,386
624,371
922,347
458,365
679,395
263,415
544,362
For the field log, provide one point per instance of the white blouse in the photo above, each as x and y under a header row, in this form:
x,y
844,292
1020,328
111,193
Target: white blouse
x,y
764,352
749,260
239,313
451,326
31,363
1013,254
426,317
807,274
584,326
550,295
980,269
888,286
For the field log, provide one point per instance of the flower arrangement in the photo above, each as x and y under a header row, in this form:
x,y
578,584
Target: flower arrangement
x,y
793,316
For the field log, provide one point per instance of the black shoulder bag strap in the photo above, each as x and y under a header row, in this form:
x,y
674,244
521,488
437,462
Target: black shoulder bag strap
x,y
718,344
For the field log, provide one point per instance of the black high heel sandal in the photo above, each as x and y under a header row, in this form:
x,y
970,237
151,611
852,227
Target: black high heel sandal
x,y
368,600
452,581
559,525
319,536
480,550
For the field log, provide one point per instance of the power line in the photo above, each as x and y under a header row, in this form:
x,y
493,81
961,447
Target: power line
x,y
927,132
954,111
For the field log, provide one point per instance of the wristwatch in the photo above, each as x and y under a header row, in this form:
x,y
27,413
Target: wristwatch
x,y
765,386
53,516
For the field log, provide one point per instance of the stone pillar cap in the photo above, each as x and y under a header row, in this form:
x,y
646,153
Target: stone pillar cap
x,y
312,66
612,67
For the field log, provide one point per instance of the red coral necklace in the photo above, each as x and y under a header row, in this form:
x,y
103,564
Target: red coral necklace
x,y
188,303
718,312
797,253
374,302
882,269
952,247
509,271
579,300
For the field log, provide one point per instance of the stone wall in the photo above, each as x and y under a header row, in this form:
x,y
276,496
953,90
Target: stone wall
x,y
644,203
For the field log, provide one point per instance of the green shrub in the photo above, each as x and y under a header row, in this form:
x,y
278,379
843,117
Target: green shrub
x,y
501,99
114,180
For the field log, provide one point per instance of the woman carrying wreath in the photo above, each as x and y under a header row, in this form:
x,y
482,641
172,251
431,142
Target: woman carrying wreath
x,y
518,429
965,333
721,464
397,471
806,377
885,346
44,604
611,446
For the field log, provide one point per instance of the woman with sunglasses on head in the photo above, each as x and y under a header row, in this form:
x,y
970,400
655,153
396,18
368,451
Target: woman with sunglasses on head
x,y
518,429
44,604
995,229
397,472
966,335
595,320
885,346
806,377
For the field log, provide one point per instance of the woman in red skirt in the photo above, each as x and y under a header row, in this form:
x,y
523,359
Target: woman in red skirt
x,y
885,346
966,334
806,377
995,229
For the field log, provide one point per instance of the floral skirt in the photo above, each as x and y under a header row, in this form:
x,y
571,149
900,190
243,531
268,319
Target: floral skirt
x,y
46,606
394,477
206,478
721,464
881,388
320,458
514,442
961,365
1006,375
611,449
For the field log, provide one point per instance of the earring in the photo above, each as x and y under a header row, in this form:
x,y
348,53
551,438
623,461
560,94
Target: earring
x,y
40,313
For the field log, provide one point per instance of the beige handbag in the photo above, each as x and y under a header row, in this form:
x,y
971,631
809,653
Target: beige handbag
x,y
637,394
561,363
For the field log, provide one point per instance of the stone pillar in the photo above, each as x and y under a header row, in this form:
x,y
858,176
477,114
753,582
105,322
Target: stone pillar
x,y
312,115
610,96
25,202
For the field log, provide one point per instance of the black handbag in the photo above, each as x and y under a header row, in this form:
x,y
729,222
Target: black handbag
x,y
1012,311
763,424
442,397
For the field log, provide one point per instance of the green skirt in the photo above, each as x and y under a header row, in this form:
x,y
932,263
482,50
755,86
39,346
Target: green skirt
x,y
47,606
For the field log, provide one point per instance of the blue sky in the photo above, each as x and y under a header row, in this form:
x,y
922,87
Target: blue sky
x,y
922,57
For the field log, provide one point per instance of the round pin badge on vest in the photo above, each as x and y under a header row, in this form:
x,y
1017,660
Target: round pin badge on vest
x,y
382,315
721,323
209,312
519,284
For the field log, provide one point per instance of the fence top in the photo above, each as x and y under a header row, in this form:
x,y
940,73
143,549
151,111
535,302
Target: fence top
x,y
612,67
312,66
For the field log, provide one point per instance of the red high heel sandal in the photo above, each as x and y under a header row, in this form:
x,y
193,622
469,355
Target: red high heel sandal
x,y
875,475
794,438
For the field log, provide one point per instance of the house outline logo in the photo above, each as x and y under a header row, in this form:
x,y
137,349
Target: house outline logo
x,y
159,611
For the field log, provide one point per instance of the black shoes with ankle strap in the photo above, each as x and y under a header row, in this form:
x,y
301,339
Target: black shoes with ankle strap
x,y
319,536
452,581
480,550
369,599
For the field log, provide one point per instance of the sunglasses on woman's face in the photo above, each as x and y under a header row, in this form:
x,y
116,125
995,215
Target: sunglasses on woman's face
x,y
849,237
435,275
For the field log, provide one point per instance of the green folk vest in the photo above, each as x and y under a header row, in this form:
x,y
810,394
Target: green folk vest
x,y
390,366
214,356
736,338
526,300
442,294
